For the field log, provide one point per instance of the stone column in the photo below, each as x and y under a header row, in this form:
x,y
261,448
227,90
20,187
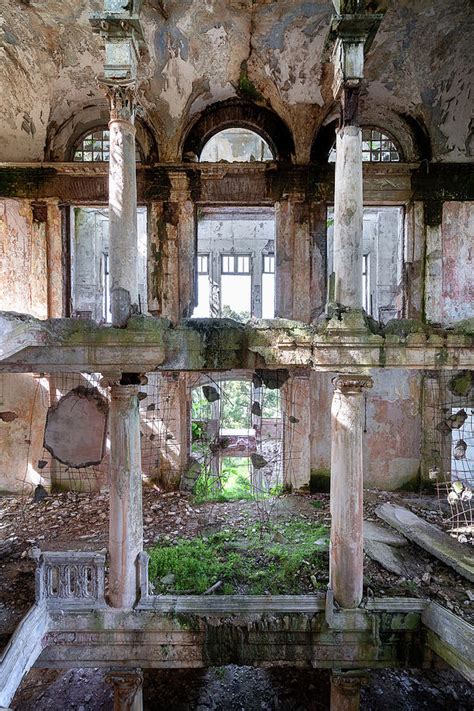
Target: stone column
x,y
345,692
293,258
127,687
122,202
171,252
348,213
346,550
126,524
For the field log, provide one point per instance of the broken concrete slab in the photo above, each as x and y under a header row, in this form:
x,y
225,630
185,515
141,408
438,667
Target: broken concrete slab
x,y
429,537
379,534
76,427
396,560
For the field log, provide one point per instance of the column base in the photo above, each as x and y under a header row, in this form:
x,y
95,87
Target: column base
x,y
127,687
347,321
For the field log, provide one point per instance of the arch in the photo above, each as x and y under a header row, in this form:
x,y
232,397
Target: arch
x,y
236,145
93,146
406,133
62,140
237,113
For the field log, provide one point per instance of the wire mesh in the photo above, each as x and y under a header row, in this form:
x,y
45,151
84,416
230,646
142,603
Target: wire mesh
x,y
449,438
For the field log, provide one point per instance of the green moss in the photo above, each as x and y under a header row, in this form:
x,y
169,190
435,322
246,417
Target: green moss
x,y
320,480
465,327
461,383
246,87
259,560
404,326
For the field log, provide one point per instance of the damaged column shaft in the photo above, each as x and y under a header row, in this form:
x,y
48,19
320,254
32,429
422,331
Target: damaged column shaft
x,y
347,544
123,251
126,519
345,692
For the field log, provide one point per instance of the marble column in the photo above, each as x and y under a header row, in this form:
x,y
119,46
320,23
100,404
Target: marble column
x,y
127,687
347,544
345,692
126,520
122,202
348,218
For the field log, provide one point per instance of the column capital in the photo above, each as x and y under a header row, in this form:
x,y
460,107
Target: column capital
x,y
351,382
122,96
126,684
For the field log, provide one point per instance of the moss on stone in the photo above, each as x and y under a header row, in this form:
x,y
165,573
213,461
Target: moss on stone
x,y
465,327
246,87
461,383
320,480
404,326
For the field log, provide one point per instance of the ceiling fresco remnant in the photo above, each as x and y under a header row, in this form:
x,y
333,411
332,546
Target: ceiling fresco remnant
x,y
202,52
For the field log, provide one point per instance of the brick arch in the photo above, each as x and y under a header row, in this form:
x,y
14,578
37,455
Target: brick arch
x,y
239,114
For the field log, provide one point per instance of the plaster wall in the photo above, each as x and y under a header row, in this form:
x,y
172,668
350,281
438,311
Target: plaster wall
x,y
392,431
25,399
457,233
203,51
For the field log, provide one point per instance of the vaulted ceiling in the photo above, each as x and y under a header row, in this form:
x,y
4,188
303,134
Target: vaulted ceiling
x,y
198,51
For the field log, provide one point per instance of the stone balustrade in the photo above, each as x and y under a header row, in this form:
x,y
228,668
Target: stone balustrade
x,y
71,579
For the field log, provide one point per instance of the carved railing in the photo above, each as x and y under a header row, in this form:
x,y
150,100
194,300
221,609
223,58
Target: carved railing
x,y
71,579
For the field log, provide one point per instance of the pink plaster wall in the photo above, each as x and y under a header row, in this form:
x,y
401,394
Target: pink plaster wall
x,y
457,300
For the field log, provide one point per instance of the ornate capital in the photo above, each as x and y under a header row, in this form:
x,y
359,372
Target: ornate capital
x,y
122,96
346,685
126,684
352,382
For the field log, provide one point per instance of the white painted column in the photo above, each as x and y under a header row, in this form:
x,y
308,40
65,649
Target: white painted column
x,y
126,520
348,216
123,249
347,544
345,692
128,689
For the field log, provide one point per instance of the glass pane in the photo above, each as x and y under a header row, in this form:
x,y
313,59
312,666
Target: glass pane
x,y
87,156
376,135
243,265
227,264
366,155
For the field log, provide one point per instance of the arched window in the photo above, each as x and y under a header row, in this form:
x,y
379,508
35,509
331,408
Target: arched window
x,y
94,147
236,145
377,147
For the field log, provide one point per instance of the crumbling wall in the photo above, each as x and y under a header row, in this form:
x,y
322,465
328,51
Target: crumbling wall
x,y
24,401
392,432
457,229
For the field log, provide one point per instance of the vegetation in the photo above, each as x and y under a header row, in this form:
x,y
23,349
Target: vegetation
x,y
290,558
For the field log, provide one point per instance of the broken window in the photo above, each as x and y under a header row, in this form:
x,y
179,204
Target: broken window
x,y
90,281
95,148
382,262
236,263
236,145
377,147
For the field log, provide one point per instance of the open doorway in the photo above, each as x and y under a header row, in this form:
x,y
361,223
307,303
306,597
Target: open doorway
x,y
236,438
382,260
236,263
90,283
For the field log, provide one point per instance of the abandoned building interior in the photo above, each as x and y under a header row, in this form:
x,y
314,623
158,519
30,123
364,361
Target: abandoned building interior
x,y
236,354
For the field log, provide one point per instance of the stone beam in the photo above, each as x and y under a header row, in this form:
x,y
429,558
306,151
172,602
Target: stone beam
x,y
28,345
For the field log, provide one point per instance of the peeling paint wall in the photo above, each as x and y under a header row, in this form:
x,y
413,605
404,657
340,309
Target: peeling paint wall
x,y
392,439
457,233
26,397
203,51
23,260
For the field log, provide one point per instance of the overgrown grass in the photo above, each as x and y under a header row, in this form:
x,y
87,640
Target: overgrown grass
x,y
234,484
290,558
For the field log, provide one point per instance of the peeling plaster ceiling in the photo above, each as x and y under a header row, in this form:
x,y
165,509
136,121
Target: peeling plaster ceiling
x,y
420,64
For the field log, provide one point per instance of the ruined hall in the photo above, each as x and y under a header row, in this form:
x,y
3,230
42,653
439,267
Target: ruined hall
x,y
236,355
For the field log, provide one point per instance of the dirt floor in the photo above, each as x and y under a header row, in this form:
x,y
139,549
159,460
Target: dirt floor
x,y
79,521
